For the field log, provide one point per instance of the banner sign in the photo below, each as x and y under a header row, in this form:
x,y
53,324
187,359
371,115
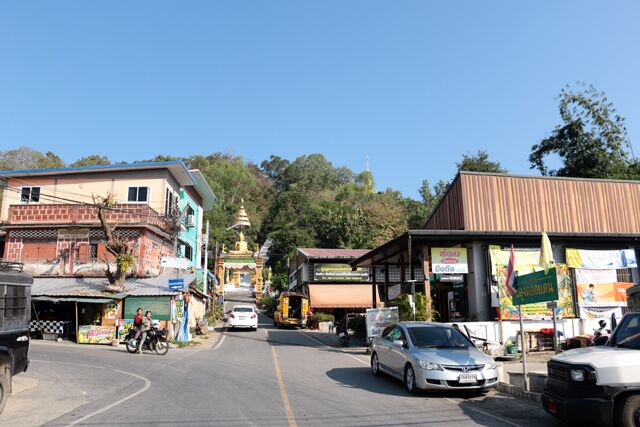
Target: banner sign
x,y
596,259
175,262
111,310
339,273
178,313
527,260
538,311
73,234
600,288
123,327
379,318
592,315
92,334
449,261
536,287
176,284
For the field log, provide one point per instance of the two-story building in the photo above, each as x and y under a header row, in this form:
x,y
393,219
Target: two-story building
x,y
330,282
51,225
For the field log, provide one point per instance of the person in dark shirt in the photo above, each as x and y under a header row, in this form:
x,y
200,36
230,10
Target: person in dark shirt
x,y
137,321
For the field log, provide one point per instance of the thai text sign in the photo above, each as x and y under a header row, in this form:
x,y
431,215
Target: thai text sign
x,y
379,318
178,314
339,273
92,334
449,260
536,287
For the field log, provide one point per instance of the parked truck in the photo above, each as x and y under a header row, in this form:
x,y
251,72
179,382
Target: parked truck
x,y
15,312
598,385
292,310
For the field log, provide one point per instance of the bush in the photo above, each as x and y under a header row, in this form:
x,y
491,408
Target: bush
x,y
323,317
269,304
406,313
359,326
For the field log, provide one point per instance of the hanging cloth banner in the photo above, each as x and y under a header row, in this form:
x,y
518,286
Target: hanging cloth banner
x,y
595,259
527,260
600,288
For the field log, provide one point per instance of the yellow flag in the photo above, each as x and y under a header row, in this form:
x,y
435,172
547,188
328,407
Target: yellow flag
x,y
546,255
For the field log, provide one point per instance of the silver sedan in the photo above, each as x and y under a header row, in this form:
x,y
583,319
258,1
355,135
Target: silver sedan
x,y
432,356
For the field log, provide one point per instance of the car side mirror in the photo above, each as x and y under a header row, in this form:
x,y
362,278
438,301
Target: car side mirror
x,y
400,343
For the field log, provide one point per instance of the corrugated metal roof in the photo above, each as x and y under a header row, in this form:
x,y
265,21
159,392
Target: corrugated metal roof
x,y
93,286
332,253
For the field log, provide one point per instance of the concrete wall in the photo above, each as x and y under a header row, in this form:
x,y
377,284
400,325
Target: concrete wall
x,y
81,187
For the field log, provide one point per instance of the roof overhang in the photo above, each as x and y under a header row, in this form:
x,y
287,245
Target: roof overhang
x,y
203,189
177,169
399,244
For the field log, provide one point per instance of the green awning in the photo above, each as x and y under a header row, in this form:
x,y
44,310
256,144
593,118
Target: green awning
x,y
74,299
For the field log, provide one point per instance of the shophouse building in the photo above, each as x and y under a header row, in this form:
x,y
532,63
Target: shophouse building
x,y
326,276
51,225
459,258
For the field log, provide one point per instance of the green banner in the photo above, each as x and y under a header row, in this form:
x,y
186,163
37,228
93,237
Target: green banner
x,y
536,287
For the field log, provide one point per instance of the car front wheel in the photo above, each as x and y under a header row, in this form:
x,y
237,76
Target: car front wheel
x,y
410,380
375,365
628,412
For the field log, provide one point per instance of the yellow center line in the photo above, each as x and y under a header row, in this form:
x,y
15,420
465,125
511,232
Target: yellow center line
x,y
283,391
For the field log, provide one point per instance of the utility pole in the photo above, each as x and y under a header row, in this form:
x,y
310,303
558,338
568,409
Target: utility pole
x,y
206,259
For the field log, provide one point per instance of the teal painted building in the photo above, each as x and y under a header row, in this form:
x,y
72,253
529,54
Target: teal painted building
x,y
193,202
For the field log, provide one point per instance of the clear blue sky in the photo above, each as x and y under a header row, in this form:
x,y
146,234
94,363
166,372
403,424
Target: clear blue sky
x,y
413,84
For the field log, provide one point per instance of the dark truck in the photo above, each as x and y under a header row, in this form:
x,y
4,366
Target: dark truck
x,y
15,312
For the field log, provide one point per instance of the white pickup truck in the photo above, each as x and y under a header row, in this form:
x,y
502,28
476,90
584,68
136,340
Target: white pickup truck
x,y
599,385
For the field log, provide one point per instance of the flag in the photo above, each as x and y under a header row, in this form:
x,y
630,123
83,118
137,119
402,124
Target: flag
x,y
510,281
546,255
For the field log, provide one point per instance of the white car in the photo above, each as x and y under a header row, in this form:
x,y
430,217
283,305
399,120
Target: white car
x,y
242,316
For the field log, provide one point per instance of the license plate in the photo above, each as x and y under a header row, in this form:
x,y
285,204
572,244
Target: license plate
x,y
243,317
553,406
467,378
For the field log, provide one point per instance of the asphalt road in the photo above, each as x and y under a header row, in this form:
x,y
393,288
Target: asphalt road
x,y
267,377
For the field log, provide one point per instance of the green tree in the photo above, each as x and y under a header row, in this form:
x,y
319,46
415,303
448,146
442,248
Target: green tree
x,y
28,158
479,162
591,141
91,160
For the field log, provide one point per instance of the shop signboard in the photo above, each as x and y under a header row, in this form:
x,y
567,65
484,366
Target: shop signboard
x,y
537,311
449,261
178,314
176,284
339,273
123,328
180,263
111,310
452,278
536,287
379,318
92,334
70,233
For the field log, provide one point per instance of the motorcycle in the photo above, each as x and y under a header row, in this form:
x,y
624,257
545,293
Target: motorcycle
x,y
601,335
343,334
156,341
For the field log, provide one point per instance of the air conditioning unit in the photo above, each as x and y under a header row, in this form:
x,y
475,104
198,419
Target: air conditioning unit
x,y
191,221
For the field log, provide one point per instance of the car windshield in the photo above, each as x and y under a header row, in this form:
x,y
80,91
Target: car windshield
x,y
243,309
431,336
627,334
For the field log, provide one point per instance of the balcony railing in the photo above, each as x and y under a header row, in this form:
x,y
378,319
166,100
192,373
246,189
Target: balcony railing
x,y
55,214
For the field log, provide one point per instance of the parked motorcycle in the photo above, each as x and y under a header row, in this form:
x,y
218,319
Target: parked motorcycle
x,y
156,341
601,335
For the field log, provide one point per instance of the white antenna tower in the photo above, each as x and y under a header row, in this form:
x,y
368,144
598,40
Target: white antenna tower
x,y
367,160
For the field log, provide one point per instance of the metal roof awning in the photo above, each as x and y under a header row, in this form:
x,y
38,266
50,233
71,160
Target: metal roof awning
x,y
74,299
340,296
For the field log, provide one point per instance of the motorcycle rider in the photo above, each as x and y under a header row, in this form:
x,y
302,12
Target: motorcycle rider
x,y
137,320
145,326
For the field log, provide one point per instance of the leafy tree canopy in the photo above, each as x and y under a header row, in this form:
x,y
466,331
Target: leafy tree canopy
x,y
92,160
27,158
479,162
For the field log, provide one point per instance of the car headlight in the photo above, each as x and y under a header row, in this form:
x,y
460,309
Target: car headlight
x,y
491,365
429,366
577,375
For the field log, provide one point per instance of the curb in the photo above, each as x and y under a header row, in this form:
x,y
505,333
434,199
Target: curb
x,y
518,392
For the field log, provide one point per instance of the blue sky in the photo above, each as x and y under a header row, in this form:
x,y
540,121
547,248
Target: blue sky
x,y
412,84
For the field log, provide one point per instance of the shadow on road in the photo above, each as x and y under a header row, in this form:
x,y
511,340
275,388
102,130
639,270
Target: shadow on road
x,y
362,379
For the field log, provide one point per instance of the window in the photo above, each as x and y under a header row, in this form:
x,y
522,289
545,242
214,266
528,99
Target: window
x,y
167,202
93,252
188,251
437,336
387,332
30,195
138,194
14,301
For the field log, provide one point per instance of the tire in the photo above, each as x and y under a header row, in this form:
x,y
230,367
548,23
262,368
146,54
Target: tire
x,y
130,347
410,380
161,347
628,412
375,365
5,386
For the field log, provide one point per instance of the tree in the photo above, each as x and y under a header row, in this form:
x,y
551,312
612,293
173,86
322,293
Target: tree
x,y
91,160
28,158
591,141
479,163
116,245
